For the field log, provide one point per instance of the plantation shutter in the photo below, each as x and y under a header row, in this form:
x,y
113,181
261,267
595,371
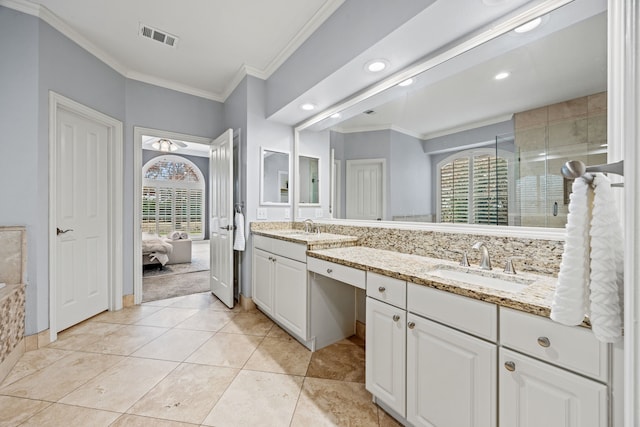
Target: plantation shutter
x,y
454,195
149,210
196,212
490,190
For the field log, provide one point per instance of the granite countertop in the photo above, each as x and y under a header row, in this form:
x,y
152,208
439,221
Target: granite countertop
x,y
535,298
312,240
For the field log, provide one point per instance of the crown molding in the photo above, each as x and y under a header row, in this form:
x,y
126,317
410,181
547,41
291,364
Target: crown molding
x,y
168,84
50,18
318,18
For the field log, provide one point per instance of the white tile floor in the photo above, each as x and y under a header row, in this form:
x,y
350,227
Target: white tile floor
x,y
183,362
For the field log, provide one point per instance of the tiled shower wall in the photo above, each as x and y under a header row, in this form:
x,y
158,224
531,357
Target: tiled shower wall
x,y
545,139
12,296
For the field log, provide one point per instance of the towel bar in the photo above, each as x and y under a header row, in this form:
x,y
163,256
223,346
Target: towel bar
x,y
576,169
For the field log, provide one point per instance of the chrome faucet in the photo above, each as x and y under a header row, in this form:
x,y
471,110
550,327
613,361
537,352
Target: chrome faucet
x,y
308,225
485,261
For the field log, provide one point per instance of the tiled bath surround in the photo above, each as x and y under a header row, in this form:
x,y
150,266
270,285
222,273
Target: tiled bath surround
x,y
538,256
12,296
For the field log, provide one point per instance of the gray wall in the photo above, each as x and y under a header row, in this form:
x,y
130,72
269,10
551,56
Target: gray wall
x,y
203,164
20,151
410,176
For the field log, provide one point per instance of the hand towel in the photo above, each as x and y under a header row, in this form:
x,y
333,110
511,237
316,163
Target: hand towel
x,y
607,270
570,300
239,241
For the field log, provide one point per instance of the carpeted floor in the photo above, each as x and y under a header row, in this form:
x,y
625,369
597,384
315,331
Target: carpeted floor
x,y
178,279
173,285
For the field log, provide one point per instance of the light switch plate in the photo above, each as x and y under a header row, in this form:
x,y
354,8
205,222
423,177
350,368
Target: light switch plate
x,y
261,213
287,213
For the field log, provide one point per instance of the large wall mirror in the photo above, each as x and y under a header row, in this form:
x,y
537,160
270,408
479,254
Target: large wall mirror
x,y
479,138
274,177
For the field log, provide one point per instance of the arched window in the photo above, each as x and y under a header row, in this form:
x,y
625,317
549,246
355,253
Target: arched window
x,y
473,187
173,197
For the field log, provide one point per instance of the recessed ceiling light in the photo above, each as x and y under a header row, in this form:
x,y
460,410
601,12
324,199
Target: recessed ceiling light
x,y
502,75
531,25
335,116
376,65
308,107
406,82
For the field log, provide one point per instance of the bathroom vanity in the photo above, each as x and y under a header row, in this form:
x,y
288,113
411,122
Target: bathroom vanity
x,y
441,348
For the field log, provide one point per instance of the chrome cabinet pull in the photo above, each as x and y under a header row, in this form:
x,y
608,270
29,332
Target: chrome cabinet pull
x,y
329,271
382,289
396,317
544,342
510,366
411,325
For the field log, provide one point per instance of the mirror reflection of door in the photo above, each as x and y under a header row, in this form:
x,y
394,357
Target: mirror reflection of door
x,y
365,189
309,179
274,182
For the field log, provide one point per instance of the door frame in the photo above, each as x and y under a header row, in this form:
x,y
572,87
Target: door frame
x,y
114,194
138,132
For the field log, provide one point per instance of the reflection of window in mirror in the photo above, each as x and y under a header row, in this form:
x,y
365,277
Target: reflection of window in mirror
x,y
309,179
274,182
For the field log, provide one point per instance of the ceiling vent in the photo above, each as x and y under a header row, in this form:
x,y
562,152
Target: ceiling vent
x,y
158,35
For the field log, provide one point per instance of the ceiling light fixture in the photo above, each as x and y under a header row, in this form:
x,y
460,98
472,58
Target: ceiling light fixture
x,y
502,75
308,107
376,65
406,82
531,25
164,145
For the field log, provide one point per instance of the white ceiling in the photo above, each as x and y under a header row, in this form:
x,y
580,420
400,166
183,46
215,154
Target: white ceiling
x,y
220,41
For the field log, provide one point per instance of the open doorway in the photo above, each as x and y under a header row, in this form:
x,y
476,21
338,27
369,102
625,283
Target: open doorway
x,y
172,191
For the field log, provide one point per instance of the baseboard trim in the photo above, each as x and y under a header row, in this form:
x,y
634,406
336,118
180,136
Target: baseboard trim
x,y
247,303
361,330
128,301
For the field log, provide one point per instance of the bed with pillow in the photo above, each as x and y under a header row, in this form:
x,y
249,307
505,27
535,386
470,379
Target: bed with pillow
x,y
155,250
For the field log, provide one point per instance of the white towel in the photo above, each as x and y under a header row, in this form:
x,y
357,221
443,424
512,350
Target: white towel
x,y
571,295
238,242
607,270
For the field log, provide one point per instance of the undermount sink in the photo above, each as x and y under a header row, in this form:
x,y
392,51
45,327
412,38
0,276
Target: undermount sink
x,y
482,278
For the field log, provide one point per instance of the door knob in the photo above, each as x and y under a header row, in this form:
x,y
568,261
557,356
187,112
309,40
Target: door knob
x,y
382,289
228,227
411,325
59,231
396,317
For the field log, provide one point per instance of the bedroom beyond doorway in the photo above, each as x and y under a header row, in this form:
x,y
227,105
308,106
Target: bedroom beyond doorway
x,y
178,279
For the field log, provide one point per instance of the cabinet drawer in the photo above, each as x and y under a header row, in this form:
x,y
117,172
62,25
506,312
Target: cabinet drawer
x,y
290,250
571,347
387,289
475,317
339,272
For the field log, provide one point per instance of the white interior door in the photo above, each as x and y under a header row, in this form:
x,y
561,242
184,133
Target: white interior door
x,y
365,190
221,221
81,217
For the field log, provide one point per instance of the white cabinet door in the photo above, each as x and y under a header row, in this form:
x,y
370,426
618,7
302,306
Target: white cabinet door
x,y
263,280
533,393
385,354
451,377
290,288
